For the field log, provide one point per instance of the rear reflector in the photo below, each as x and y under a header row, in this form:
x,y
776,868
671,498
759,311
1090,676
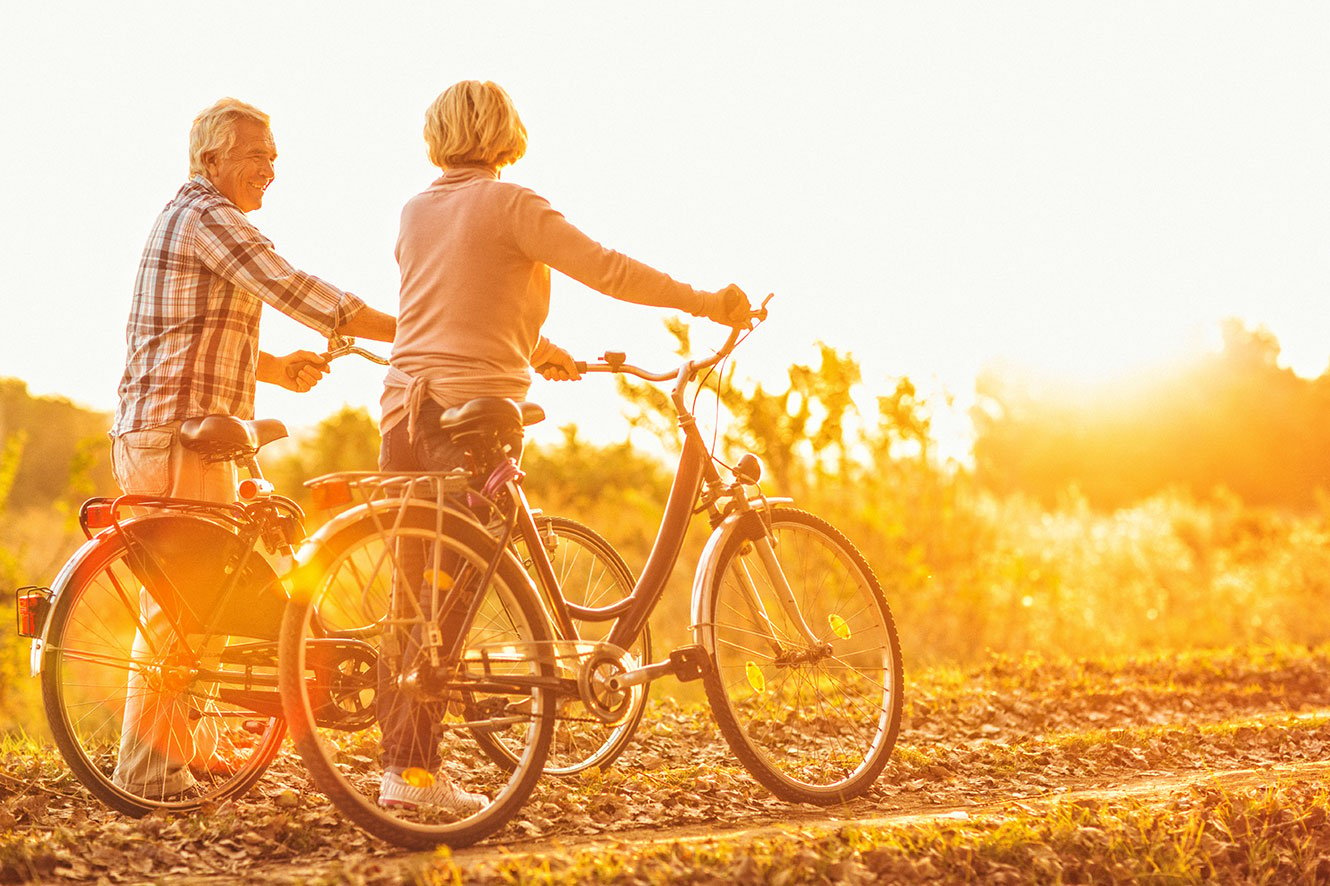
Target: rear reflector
x,y
98,515
32,605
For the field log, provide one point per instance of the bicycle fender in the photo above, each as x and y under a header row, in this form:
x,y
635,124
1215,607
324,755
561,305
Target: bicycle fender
x,y
204,547
57,588
382,510
747,524
62,579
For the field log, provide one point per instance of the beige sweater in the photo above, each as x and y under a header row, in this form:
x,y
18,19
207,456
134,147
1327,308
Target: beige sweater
x,y
475,255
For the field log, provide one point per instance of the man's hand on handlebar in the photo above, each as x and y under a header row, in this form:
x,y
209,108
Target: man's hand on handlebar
x,y
729,307
298,371
301,370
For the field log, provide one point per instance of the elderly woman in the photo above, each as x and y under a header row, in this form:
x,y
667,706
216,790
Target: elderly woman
x,y
475,256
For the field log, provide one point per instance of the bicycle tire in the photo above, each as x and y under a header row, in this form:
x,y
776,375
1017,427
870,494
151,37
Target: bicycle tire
x,y
87,665
593,575
350,576
814,723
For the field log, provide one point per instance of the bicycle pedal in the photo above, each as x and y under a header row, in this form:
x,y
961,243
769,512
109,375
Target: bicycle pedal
x,y
690,663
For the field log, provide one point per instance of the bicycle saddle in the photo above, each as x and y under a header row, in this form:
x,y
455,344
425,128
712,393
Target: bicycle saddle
x,y
217,435
490,414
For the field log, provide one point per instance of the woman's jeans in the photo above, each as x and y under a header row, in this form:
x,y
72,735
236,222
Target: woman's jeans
x,y
411,727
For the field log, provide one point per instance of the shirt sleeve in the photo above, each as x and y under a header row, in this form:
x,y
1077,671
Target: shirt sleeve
x,y
544,235
232,248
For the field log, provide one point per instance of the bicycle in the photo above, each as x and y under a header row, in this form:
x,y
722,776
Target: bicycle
x,y
794,641
207,666
211,572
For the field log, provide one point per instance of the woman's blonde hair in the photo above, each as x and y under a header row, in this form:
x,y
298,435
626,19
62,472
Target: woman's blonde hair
x,y
214,130
474,123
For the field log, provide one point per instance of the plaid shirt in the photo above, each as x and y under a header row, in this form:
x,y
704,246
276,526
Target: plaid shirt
x,y
193,334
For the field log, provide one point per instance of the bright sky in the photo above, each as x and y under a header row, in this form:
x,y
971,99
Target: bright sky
x,y
1079,186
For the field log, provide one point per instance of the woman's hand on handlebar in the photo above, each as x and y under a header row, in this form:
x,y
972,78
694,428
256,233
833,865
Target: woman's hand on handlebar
x,y
559,365
729,307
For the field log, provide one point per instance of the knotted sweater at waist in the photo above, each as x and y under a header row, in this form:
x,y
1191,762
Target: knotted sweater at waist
x,y
404,394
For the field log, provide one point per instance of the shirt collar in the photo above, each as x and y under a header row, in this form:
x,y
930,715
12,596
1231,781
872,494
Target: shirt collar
x,y
458,174
200,180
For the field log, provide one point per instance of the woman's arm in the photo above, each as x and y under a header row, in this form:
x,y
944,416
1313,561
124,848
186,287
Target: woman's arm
x,y
544,235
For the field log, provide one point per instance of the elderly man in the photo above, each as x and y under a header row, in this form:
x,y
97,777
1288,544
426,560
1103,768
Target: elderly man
x,y
193,350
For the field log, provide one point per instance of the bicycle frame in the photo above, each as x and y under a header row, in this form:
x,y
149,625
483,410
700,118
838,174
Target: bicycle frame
x,y
251,521
695,477
247,530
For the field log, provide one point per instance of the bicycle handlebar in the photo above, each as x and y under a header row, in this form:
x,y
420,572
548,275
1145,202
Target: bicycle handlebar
x,y
614,361
339,346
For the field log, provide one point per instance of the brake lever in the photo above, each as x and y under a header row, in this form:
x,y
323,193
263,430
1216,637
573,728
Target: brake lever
x,y
341,345
353,349
761,313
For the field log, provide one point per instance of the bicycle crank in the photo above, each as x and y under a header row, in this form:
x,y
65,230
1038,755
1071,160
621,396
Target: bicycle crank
x,y
597,686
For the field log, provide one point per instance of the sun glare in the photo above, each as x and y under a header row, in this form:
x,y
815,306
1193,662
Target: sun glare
x,y
1111,356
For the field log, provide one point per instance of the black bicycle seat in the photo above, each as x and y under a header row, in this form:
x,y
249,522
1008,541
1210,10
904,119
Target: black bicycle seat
x,y
490,414
225,434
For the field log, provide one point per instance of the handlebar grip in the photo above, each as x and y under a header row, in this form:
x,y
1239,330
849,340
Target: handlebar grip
x,y
580,364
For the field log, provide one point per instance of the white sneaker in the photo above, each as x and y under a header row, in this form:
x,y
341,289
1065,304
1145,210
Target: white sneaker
x,y
416,787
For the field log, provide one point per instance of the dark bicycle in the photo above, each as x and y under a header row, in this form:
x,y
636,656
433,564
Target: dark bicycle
x,y
493,659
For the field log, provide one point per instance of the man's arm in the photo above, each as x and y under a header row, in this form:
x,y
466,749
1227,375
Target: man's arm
x,y
231,247
369,323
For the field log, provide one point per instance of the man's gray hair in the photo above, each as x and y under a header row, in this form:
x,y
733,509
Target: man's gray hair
x,y
214,131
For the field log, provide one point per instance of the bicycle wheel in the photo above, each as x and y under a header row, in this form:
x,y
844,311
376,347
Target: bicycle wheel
x,y
813,722
354,671
591,575
135,708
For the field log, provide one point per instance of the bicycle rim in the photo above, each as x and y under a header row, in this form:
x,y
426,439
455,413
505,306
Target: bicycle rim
x,y
139,725
336,705
813,722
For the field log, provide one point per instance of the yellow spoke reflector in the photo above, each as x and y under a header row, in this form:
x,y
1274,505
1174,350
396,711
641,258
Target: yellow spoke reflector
x,y
417,777
755,678
440,579
839,626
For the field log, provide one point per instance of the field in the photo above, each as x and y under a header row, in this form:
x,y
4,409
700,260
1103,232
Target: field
x,y
1128,693
1158,753
1178,768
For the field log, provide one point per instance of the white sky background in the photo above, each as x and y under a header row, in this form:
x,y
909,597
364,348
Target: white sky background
x,y
1083,187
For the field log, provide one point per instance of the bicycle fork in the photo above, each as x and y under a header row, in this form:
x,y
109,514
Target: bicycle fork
x,y
754,539
766,553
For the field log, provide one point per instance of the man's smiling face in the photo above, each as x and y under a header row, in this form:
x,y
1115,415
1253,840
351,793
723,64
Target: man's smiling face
x,y
244,173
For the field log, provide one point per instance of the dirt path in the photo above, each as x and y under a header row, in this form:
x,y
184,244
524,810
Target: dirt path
x,y
1141,787
1154,785
800,825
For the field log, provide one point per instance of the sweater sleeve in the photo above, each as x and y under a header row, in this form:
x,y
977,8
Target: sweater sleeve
x,y
544,235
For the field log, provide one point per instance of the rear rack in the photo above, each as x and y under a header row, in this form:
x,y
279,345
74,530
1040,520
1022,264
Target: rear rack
x,y
343,488
98,514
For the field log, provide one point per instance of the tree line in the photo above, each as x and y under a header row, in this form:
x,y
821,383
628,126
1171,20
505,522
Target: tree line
x,y
1234,420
